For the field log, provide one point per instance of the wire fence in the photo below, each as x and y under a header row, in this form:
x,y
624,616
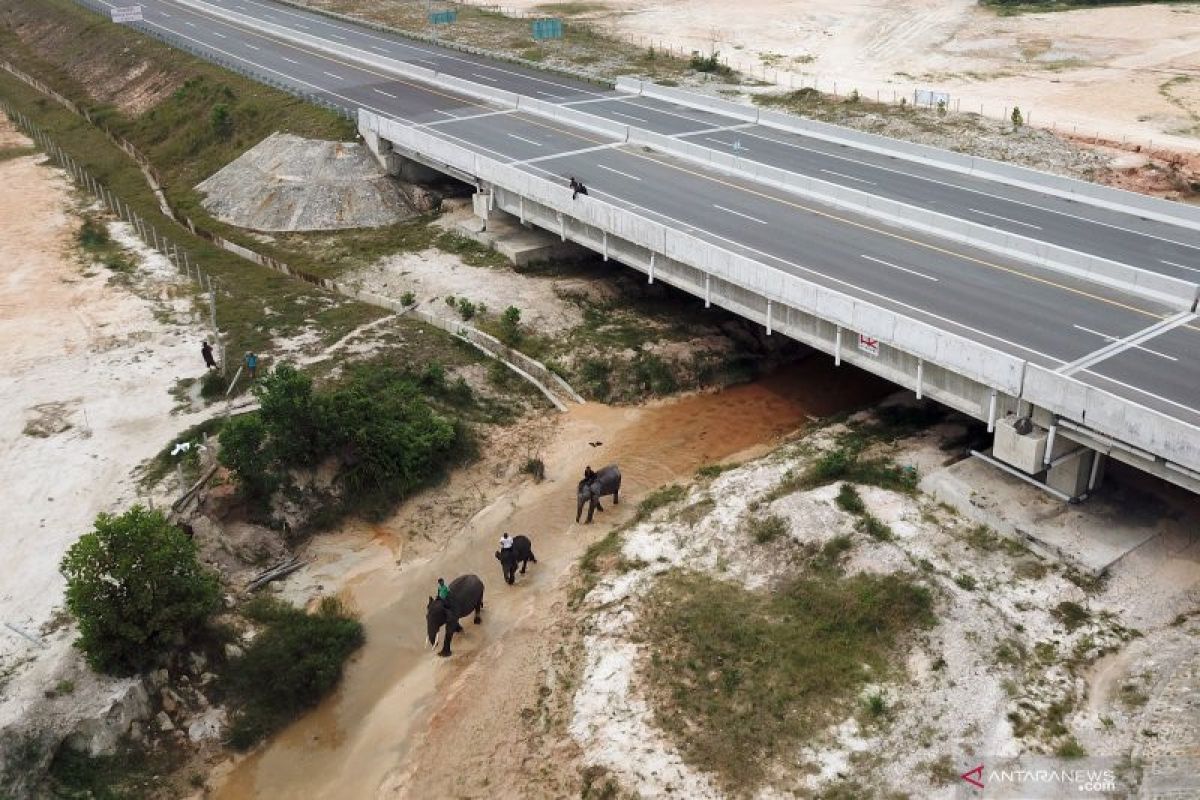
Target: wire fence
x,y
552,386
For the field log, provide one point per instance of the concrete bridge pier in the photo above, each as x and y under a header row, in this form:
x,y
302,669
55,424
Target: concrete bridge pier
x,y
1037,448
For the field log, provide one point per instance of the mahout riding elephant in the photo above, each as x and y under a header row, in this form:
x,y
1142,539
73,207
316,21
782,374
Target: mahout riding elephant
x,y
606,481
466,595
521,553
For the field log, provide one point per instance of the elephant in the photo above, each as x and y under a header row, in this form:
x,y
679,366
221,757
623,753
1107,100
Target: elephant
x,y
520,552
606,481
466,595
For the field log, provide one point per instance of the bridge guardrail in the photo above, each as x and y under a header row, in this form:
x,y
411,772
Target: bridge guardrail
x,y
1110,415
983,364
1071,188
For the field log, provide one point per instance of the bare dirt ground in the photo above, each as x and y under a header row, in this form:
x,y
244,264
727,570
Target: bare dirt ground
x,y
407,724
89,359
1002,674
1130,71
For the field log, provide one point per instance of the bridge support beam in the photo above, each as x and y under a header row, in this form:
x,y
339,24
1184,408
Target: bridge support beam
x,y
991,419
769,307
920,376
837,347
650,274
707,290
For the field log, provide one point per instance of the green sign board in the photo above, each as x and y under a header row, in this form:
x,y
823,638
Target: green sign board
x,y
442,17
547,29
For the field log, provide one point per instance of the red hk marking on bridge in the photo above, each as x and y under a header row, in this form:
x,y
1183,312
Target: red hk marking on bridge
x,y
974,776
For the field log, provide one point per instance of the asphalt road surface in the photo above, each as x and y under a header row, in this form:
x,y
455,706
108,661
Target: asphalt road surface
x,y
1007,304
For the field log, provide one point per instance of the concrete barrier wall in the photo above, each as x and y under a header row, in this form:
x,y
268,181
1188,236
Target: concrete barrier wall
x,y
1178,294
983,364
1113,416
1083,191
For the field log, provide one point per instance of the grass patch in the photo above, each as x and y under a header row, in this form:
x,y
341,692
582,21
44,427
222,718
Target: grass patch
x,y
874,527
696,511
294,661
659,498
713,470
764,530
1071,615
844,464
739,677
848,499
126,775
163,463
16,151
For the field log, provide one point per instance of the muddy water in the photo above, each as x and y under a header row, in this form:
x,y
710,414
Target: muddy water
x,y
356,744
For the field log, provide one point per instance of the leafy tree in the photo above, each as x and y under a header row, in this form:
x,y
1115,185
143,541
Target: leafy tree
x,y
292,416
510,326
135,587
244,451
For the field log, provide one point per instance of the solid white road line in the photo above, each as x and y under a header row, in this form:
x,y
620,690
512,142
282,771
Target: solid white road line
x,y
848,177
902,269
335,77
527,141
1006,219
290,60
625,174
379,49
1181,266
739,214
252,47
1117,339
486,78
189,24
165,14
548,94
338,36
385,94
219,35
627,116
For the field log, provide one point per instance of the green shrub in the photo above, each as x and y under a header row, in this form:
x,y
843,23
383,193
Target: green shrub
x,y
1071,615
595,376
874,527
848,499
93,234
136,588
221,121
389,440
466,309
289,666
767,529
213,384
536,468
510,326
967,582
407,299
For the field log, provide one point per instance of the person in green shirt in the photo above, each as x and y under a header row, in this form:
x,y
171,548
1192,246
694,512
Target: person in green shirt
x,y
443,591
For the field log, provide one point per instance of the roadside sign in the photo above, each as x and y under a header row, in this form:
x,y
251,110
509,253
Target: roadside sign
x,y
442,17
127,14
868,345
547,29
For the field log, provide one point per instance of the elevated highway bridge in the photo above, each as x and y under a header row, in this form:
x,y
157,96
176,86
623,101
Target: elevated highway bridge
x,y
1061,313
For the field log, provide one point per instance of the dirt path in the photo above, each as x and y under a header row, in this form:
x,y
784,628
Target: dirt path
x,y
407,724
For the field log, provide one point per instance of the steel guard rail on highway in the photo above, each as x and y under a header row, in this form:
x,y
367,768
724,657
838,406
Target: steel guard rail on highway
x,y
1106,196
978,362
